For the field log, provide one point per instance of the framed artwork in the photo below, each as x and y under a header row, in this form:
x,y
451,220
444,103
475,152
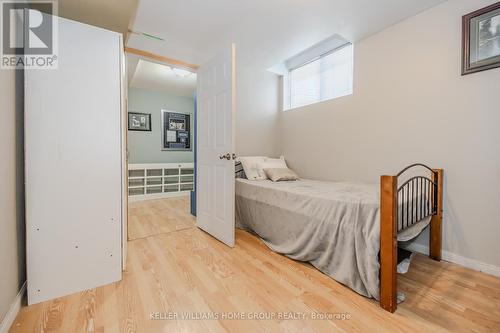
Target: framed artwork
x,y
139,121
481,39
176,130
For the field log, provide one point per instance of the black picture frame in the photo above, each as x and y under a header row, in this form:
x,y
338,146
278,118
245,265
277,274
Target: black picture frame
x,y
141,126
176,131
477,30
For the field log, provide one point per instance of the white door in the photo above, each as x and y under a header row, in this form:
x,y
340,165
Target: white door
x,y
74,165
215,146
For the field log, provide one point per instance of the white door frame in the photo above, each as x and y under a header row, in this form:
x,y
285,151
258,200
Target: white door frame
x,y
151,57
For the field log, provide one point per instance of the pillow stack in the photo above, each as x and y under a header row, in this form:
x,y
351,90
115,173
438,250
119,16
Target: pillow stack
x,y
251,167
261,168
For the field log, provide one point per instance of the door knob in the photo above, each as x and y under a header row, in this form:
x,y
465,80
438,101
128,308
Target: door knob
x,y
227,157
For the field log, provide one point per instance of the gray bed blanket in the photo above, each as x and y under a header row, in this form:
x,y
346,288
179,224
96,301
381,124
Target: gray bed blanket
x,y
333,225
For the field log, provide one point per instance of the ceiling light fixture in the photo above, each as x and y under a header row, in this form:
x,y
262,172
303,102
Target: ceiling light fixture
x,y
181,72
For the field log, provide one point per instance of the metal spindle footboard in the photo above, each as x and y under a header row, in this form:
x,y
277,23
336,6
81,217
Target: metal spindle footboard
x,y
400,208
416,198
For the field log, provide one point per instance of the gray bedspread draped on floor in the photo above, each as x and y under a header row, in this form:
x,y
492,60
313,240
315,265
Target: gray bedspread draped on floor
x,y
333,225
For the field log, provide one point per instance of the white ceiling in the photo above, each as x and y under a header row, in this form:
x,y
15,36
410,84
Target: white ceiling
x,y
114,15
266,32
154,76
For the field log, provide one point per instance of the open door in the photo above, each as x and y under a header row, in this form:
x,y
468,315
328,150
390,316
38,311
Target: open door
x,y
215,146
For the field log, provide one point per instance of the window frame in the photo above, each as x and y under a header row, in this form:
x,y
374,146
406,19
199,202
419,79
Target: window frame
x,y
287,82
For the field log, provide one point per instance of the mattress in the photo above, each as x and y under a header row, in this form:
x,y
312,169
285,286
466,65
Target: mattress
x,y
333,225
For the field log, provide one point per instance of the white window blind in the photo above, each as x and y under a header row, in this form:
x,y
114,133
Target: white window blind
x,y
326,77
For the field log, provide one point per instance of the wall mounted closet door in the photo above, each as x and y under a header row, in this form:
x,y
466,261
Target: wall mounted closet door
x,y
74,165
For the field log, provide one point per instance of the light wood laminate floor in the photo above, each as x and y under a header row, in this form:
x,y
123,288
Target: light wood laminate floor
x,y
153,217
187,271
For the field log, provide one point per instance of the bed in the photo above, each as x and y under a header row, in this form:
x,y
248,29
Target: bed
x,y
348,231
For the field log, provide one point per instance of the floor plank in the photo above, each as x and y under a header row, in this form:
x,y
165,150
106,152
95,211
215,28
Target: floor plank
x,y
153,217
175,269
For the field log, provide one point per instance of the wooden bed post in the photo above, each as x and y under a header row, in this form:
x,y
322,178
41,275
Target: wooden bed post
x,y
436,221
388,243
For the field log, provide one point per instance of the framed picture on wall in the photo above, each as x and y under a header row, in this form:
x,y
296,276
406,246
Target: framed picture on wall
x,y
481,39
139,121
176,130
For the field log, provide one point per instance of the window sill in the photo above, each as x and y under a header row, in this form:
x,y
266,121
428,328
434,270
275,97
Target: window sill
x,y
323,101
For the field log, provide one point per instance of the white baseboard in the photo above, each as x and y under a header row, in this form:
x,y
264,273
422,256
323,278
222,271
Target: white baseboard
x,y
11,315
135,198
457,259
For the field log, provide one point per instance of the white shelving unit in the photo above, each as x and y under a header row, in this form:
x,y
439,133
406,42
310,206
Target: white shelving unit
x,y
159,180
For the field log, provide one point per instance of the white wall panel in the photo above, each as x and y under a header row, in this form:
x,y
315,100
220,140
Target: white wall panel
x,y
74,165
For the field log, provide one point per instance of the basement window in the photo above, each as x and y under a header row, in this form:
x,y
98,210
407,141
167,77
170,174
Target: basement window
x,y
310,78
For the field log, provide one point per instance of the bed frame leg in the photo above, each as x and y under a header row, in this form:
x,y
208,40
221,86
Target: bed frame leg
x,y
388,243
436,221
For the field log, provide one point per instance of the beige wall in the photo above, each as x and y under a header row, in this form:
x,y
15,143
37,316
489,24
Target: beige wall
x,y
257,102
12,267
410,104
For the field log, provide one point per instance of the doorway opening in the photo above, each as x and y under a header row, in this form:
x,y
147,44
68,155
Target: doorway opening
x,y
161,105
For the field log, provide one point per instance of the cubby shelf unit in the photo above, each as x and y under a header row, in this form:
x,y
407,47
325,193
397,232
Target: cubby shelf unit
x,y
159,180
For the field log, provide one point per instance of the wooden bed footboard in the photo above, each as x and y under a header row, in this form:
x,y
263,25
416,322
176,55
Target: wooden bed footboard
x,y
402,206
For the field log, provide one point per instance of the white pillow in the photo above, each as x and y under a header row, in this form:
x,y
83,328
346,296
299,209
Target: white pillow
x,y
270,163
274,163
250,165
281,174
